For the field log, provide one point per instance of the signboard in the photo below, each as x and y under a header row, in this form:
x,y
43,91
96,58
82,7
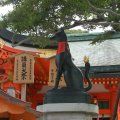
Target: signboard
x,y
52,74
24,68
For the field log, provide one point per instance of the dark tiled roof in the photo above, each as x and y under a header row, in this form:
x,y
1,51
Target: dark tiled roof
x,y
104,69
8,36
112,71
89,36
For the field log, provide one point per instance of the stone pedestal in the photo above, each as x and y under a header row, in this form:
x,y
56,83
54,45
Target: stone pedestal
x,y
68,111
66,95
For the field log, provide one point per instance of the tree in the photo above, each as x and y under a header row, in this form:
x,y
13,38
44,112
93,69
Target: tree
x,y
42,17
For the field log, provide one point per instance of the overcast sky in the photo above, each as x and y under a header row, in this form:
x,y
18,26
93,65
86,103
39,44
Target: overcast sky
x,y
4,10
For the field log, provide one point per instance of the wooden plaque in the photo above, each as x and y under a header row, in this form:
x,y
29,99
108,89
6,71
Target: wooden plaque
x,y
24,68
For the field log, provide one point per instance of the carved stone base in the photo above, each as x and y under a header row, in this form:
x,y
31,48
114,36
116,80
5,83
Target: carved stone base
x,y
66,96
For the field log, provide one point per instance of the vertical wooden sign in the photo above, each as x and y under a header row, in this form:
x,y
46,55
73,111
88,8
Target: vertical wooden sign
x,y
24,68
52,74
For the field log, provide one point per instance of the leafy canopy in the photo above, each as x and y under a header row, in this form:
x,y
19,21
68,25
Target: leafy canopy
x,y
38,18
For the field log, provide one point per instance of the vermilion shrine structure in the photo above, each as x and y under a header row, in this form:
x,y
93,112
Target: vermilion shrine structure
x,y
104,72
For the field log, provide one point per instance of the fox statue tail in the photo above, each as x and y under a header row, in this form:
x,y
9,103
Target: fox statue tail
x,y
87,67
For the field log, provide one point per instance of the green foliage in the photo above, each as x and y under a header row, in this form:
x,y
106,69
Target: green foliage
x,y
103,37
3,23
47,14
41,41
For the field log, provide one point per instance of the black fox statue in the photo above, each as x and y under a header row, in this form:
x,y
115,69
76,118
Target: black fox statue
x,y
72,75
74,92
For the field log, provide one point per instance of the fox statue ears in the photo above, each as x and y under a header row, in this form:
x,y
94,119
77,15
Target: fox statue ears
x,y
59,35
86,59
58,30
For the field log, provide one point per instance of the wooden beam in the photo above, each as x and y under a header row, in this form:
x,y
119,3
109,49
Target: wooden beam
x,y
23,92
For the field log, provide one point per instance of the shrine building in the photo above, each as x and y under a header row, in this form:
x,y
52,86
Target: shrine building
x,y
27,72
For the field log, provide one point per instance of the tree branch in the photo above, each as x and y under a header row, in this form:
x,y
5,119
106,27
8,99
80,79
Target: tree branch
x,y
91,23
77,23
102,9
13,40
19,43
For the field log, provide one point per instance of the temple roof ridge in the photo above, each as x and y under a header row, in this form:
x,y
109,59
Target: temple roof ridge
x,y
13,99
26,105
